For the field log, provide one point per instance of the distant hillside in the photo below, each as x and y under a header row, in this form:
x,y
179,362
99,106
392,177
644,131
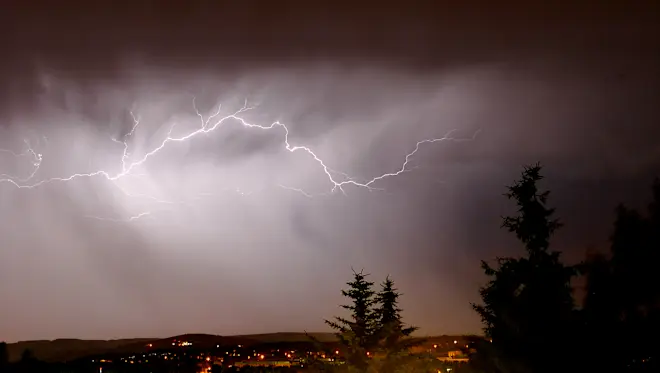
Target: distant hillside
x,y
290,337
203,341
68,349
72,349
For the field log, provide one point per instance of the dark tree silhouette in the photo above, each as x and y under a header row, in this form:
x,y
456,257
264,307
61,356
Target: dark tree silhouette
x,y
392,329
4,355
27,356
374,338
393,334
527,308
534,224
621,312
358,335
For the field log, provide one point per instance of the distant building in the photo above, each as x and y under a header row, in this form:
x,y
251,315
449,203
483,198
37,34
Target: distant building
x,y
455,355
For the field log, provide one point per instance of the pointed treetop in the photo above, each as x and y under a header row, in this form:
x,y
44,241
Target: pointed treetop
x,y
534,224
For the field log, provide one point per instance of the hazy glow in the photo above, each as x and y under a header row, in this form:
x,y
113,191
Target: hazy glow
x,y
241,233
188,176
131,165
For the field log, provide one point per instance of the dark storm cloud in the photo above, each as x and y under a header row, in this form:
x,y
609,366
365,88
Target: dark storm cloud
x,y
575,87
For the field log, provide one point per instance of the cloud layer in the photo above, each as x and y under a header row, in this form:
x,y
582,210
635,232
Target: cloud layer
x,y
234,252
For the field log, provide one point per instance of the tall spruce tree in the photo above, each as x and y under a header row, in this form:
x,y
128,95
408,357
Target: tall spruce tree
x,y
358,334
393,334
622,306
527,305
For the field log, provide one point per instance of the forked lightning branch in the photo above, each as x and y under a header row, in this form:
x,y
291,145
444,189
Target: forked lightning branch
x,y
131,164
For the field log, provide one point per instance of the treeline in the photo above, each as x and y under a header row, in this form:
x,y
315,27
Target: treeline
x,y
529,309
532,321
27,363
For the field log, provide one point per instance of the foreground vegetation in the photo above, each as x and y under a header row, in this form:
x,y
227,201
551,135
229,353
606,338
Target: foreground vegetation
x,y
531,320
529,309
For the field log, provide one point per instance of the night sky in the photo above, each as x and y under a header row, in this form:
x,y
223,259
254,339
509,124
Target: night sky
x,y
228,232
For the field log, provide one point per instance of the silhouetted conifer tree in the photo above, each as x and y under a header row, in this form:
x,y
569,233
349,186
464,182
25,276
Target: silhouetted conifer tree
x,y
622,305
358,334
527,306
392,329
374,338
393,334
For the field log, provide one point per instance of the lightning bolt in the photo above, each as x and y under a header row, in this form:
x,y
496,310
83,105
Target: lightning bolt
x,y
129,165
130,219
124,141
36,163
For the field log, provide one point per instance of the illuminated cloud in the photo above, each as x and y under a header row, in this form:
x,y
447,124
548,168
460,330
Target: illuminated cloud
x,y
239,223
